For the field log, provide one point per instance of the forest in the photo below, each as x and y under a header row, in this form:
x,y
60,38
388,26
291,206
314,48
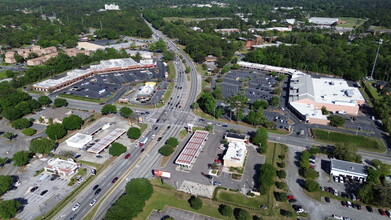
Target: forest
x,y
329,54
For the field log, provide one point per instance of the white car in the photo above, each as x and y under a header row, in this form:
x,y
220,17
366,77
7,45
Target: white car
x,y
300,210
337,217
209,123
76,206
93,202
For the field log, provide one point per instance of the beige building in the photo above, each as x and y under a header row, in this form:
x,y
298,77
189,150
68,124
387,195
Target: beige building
x,y
235,155
9,57
62,167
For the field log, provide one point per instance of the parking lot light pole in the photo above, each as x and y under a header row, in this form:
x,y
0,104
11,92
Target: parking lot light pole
x,y
377,54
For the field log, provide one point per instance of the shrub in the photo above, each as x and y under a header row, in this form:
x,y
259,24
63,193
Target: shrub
x,y
29,131
287,213
117,149
21,158
280,196
21,123
195,202
281,185
281,174
281,165
310,174
241,214
225,210
42,145
166,150
312,186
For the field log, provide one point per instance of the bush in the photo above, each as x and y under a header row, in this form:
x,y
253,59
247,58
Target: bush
x,y
117,149
281,185
267,173
281,165
72,122
60,102
56,131
125,112
241,214
172,141
280,196
336,120
42,145
29,131
310,173
21,158
108,109
225,210
312,186
287,213
281,174
166,150
21,123
195,202
134,133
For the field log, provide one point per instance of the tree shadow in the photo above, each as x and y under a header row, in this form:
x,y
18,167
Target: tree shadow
x,y
256,175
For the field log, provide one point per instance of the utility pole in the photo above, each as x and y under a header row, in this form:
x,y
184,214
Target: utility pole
x,y
377,54
100,24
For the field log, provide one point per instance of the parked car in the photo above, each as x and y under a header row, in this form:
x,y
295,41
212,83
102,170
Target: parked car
x,y
114,180
208,176
127,156
382,212
292,200
93,202
77,156
43,192
77,205
225,126
73,217
343,203
289,197
142,150
216,183
358,206
54,177
369,208
327,199
348,204
98,156
388,213
337,217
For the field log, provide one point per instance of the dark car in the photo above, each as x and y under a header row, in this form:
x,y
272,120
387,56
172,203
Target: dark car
x,y
127,156
156,128
77,156
382,212
34,189
168,127
343,203
115,180
98,191
98,156
292,200
327,199
43,192
102,103
73,217
159,138
225,126
95,187
358,206
54,177
369,208
208,176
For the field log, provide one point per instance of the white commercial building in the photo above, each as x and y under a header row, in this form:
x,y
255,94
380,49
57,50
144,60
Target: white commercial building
x,y
235,155
323,21
348,169
110,7
78,140
62,167
147,90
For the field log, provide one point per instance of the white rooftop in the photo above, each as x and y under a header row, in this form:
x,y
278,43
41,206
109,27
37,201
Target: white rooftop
x,y
236,152
147,89
309,110
114,63
78,139
71,75
264,67
322,20
61,164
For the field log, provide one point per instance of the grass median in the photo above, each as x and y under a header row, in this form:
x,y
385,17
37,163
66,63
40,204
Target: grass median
x,y
358,141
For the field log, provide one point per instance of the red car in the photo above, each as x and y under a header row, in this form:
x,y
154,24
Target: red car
x,y
115,180
382,212
289,197
102,103
127,156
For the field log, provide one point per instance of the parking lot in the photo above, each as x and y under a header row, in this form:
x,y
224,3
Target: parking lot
x,y
37,202
256,85
208,155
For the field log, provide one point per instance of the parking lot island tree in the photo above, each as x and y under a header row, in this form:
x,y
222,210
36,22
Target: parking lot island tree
x,y
29,131
241,214
44,100
56,131
72,122
134,133
117,149
21,123
42,145
9,135
21,158
5,183
312,186
9,208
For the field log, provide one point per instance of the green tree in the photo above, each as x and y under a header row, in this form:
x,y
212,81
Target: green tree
x,y
209,128
259,104
134,133
125,112
56,131
5,183
60,102
195,203
336,120
310,173
172,141
72,122
9,208
281,174
312,186
267,173
166,150
109,109
281,185
207,103
11,114
280,196
117,149
345,151
274,101
42,145
255,117
140,188
21,158
225,210
8,135
237,103
44,100
21,123
241,214
324,110
34,104
259,137
3,160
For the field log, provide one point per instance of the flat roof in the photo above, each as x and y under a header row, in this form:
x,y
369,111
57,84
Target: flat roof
x,y
71,75
235,135
95,127
268,68
79,138
188,155
348,167
236,152
107,140
60,164
308,110
323,20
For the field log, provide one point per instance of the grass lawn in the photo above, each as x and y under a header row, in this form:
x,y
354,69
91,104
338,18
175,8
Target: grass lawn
x,y
351,21
143,127
171,69
3,75
372,92
358,141
184,19
81,98
182,134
